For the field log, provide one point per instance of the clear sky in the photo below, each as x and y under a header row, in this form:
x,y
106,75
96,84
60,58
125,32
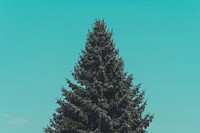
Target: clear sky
x,y
40,41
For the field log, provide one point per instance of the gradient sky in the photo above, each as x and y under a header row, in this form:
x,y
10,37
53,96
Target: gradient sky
x,y
40,41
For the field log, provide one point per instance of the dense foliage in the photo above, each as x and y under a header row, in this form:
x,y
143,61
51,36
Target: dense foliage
x,y
104,100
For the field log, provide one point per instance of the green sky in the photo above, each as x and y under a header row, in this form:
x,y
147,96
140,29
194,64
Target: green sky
x,y
40,41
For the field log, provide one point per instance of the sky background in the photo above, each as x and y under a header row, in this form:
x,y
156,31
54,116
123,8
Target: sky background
x,y
40,42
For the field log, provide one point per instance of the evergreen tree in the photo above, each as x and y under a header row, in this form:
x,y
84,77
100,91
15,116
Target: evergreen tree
x,y
105,100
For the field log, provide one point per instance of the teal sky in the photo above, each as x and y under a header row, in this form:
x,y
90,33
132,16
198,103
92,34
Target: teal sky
x,y
40,42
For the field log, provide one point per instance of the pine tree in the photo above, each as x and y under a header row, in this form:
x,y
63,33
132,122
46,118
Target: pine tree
x,y
104,100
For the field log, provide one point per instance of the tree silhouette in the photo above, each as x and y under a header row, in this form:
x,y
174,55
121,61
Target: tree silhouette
x,y
104,100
